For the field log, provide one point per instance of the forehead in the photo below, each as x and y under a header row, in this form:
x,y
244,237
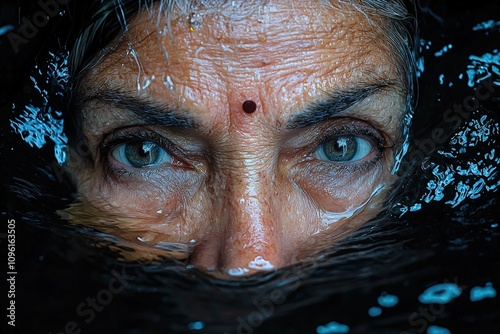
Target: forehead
x,y
302,48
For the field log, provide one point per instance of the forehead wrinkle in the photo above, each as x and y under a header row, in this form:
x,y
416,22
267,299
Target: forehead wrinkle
x,y
344,48
245,44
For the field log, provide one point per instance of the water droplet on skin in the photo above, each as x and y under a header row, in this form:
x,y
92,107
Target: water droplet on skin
x,y
147,81
262,37
146,238
237,271
261,264
167,81
194,21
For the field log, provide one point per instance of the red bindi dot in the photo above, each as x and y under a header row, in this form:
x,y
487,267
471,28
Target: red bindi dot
x,y
249,106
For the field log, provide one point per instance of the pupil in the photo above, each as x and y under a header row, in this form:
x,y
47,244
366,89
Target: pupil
x,y
341,148
142,154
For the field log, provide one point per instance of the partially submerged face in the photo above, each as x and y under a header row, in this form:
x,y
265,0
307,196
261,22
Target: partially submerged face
x,y
176,156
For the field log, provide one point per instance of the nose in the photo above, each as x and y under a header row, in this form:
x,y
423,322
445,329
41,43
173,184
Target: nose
x,y
253,241
250,236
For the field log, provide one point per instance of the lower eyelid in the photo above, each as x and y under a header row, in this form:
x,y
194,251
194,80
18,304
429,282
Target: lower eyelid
x,y
355,166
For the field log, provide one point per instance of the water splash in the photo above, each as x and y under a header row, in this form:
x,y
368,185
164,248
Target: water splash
x,y
329,217
484,67
460,175
486,25
437,330
333,328
259,263
423,45
478,293
441,293
38,122
443,50
441,79
387,300
407,120
374,311
6,29
196,325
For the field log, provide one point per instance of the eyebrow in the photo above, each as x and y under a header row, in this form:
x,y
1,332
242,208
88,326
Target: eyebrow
x,y
165,115
333,104
146,110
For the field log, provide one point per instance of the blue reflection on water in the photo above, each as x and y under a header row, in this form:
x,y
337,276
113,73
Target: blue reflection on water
x,y
441,293
374,311
387,300
443,50
483,67
478,293
34,126
196,325
332,328
486,25
38,122
437,330
6,29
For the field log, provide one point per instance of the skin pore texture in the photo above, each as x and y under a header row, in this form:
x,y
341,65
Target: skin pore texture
x,y
175,161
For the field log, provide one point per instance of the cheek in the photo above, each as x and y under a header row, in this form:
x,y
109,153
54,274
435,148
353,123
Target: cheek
x,y
156,202
340,191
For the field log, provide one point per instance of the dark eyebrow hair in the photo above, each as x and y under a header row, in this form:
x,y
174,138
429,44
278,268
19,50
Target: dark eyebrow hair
x,y
333,104
146,110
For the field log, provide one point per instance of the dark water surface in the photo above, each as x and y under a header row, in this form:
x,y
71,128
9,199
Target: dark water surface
x,y
430,264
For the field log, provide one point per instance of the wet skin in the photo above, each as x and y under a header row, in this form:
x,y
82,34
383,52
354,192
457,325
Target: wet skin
x,y
182,162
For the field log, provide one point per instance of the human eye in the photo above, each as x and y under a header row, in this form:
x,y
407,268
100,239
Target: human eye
x,y
136,151
350,145
141,154
344,148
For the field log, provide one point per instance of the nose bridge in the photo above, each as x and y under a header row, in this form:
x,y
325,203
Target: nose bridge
x,y
252,232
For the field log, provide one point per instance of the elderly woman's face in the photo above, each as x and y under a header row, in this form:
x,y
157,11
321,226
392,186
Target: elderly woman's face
x,y
257,139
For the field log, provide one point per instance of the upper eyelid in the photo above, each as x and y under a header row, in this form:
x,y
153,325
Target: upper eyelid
x,y
185,156
117,138
113,140
130,135
347,126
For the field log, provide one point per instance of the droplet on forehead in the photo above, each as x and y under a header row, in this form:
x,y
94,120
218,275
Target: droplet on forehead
x,y
167,81
194,21
249,106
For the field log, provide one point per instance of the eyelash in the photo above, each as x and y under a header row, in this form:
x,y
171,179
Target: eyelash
x,y
123,136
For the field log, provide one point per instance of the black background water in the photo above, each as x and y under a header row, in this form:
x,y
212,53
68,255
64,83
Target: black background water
x,y
61,269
